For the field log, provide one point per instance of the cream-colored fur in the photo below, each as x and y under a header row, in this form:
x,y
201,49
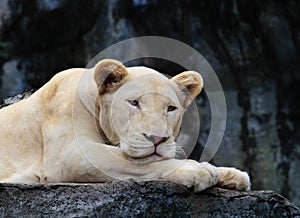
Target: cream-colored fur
x,y
105,123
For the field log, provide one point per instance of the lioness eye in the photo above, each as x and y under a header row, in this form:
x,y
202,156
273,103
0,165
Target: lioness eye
x,y
171,108
133,102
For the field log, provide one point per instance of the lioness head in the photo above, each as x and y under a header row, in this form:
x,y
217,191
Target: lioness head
x,y
141,110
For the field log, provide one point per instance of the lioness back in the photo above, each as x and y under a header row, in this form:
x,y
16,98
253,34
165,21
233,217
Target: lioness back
x,y
21,146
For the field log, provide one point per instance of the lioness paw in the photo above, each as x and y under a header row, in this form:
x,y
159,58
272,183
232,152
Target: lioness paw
x,y
232,178
193,174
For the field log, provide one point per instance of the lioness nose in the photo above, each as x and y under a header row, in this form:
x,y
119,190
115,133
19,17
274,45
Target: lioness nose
x,y
157,140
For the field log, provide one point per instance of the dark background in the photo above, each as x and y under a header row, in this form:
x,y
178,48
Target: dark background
x,y
253,47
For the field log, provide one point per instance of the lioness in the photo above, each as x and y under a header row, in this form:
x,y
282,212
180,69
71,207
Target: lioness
x,y
105,123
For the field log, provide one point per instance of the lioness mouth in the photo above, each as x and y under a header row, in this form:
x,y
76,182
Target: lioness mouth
x,y
152,154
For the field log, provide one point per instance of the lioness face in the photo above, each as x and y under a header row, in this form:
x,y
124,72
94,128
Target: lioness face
x,y
150,117
145,112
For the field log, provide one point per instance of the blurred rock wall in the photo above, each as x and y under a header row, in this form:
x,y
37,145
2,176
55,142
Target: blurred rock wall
x,y
253,47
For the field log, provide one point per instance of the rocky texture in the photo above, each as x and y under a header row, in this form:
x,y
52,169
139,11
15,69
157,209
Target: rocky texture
x,y
252,45
41,38
138,199
8,101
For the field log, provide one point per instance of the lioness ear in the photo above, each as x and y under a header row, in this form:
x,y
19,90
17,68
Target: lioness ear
x,y
191,82
109,75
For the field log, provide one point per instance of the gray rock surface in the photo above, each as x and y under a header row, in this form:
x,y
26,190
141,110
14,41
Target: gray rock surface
x,y
137,199
13,99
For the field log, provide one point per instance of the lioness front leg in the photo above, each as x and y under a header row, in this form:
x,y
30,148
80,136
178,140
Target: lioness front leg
x,y
194,174
232,178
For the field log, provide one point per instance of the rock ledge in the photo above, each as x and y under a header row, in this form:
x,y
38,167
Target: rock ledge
x,y
137,199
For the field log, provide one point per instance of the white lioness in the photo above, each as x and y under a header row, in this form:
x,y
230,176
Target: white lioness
x,y
108,122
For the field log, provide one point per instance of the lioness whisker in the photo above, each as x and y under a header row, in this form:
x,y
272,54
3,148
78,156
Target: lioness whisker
x,y
180,153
